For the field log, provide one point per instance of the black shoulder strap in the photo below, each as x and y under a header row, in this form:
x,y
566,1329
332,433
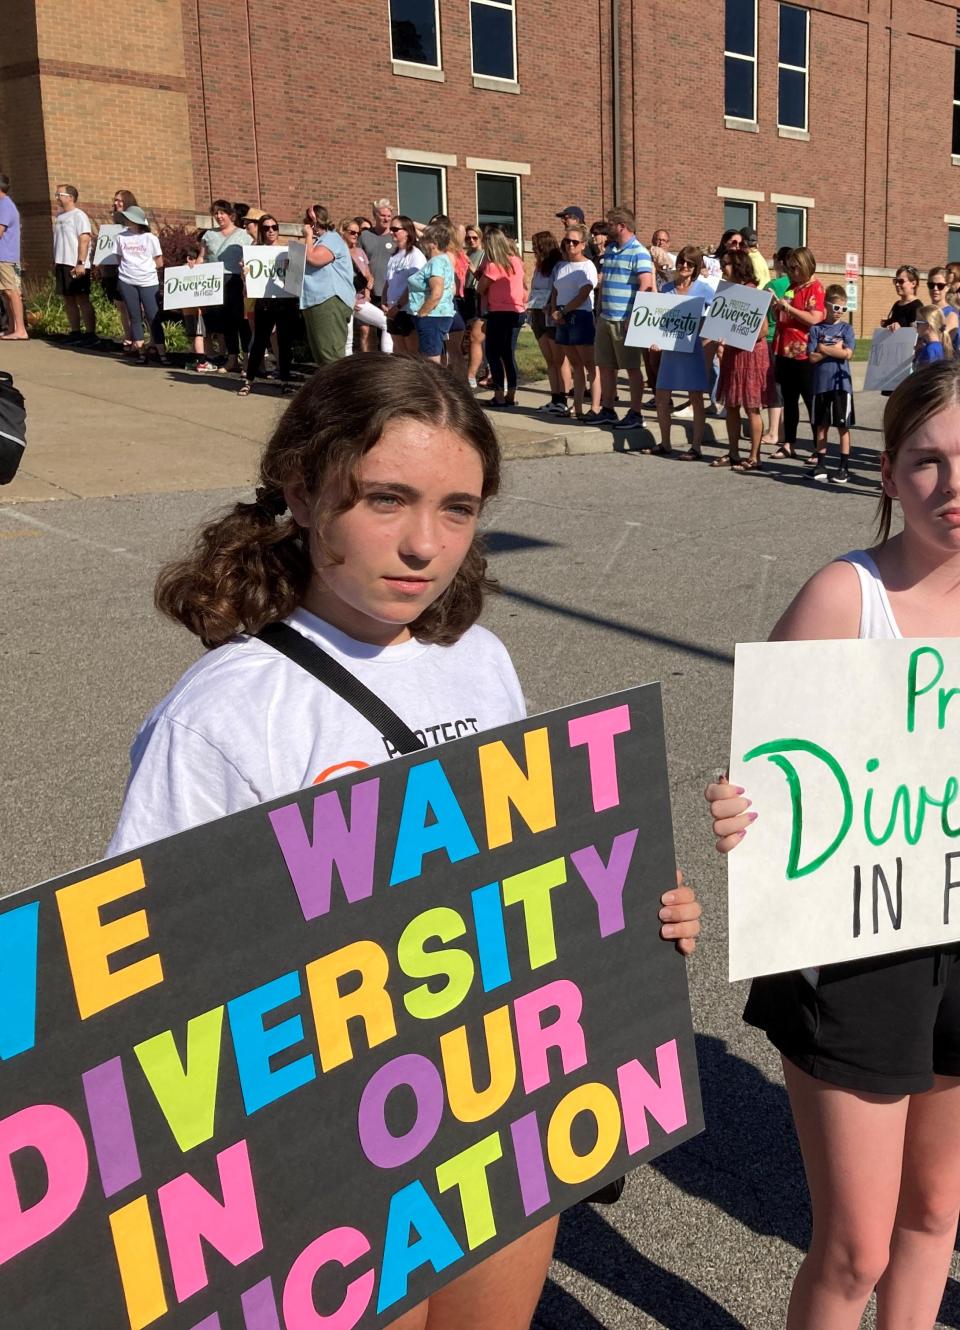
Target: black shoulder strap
x,y
322,666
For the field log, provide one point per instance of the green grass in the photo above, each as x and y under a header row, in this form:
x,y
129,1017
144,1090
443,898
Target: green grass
x,y
46,315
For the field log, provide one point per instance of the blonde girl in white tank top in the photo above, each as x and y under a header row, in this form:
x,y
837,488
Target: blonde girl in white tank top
x,y
883,1169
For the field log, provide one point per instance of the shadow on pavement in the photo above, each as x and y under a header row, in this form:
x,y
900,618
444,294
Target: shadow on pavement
x,y
588,1244
614,626
510,542
747,1162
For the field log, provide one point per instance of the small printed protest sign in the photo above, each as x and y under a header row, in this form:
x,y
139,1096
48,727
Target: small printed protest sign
x,y
187,288
736,316
667,321
856,848
315,1060
105,250
265,268
296,264
891,358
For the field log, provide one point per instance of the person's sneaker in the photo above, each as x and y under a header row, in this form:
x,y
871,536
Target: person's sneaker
x,y
632,420
560,409
841,475
819,471
204,367
605,416
72,337
89,339
471,382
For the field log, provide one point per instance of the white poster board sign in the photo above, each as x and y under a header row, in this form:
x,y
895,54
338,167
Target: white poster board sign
x,y
736,316
265,267
105,250
189,288
891,358
296,263
855,850
667,321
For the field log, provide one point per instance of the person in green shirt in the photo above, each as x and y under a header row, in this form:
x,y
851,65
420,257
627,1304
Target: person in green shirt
x,y
779,284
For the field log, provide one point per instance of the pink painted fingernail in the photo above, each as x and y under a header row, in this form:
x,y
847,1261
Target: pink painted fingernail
x,y
739,789
752,817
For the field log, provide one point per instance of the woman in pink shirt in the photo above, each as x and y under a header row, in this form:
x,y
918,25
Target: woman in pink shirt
x,y
502,287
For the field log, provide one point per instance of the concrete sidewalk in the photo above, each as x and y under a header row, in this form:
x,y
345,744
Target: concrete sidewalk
x,y
100,425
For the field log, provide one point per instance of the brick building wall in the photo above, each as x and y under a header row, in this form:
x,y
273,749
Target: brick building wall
x,y
253,100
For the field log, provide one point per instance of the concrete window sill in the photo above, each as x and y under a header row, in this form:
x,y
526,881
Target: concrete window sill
x,y
418,72
745,126
494,85
802,135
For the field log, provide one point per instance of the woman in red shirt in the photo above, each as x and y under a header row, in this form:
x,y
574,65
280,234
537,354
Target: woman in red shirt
x,y
803,306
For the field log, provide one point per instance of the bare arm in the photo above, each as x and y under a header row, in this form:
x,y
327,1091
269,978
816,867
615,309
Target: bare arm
x,y
828,606
434,295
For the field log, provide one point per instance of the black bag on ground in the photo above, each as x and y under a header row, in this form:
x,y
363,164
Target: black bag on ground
x,y
13,428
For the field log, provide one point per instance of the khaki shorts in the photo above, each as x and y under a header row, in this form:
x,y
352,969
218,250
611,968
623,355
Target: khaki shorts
x,y
9,277
609,351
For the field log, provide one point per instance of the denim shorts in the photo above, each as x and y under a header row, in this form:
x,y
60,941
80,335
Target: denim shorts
x,y
431,333
578,329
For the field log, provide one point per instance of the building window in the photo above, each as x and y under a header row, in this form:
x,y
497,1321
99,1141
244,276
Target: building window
x,y
740,60
953,244
791,227
956,104
738,213
421,191
415,32
498,202
794,35
493,37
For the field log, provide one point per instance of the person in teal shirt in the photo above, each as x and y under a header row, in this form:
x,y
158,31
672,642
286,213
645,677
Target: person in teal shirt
x,y
430,291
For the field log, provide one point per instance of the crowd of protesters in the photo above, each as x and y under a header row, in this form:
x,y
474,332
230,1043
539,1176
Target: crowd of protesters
x,y
459,295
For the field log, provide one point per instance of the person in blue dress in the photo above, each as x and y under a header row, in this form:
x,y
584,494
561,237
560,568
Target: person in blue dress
x,y
684,371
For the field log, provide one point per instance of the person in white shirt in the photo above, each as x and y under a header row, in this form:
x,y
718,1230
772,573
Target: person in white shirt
x,y
363,537
141,258
72,248
408,257
571,312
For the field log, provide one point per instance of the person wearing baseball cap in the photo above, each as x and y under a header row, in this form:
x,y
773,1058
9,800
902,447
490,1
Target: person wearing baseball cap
x,y
138,280
572,214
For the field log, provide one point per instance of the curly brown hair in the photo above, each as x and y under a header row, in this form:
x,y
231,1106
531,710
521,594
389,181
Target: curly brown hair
x,y
252,566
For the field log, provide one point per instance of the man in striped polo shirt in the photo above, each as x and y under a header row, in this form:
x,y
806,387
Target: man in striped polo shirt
x,y
627,269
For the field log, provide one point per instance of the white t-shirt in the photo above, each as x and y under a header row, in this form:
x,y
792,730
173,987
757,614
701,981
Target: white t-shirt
x,y
137,251
399,267
245,724
68,227
568,278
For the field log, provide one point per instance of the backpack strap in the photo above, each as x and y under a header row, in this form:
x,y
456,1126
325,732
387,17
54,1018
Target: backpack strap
x,y
339,680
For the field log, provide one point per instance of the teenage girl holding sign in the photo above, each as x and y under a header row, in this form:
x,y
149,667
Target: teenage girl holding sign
x,y
871,1049
364,539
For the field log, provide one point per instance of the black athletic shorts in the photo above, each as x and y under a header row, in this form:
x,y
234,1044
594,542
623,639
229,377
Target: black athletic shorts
x,y
834,408
68,285
885,1025
109,277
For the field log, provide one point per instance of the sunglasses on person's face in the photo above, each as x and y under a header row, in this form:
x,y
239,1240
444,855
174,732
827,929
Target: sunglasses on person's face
x,y
936,286
269,226
734,244
353,233
901,281
567,240
839,309
395,230
682,263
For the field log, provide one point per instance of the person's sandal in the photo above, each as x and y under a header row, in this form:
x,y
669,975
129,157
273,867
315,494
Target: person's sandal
x,y
784,450
728,460
691,455
245,390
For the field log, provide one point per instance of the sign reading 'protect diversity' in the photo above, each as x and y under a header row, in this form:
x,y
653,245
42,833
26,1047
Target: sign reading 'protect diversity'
x,y
856,848
191,288
668,322
307,1064
736,316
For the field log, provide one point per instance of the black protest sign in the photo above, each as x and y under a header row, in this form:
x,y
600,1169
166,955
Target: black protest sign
x,y
304,1065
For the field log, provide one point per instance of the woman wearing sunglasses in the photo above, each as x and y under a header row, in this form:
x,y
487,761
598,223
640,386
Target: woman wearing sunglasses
x,y
571,312
938,285
366,315
270,313
905,310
